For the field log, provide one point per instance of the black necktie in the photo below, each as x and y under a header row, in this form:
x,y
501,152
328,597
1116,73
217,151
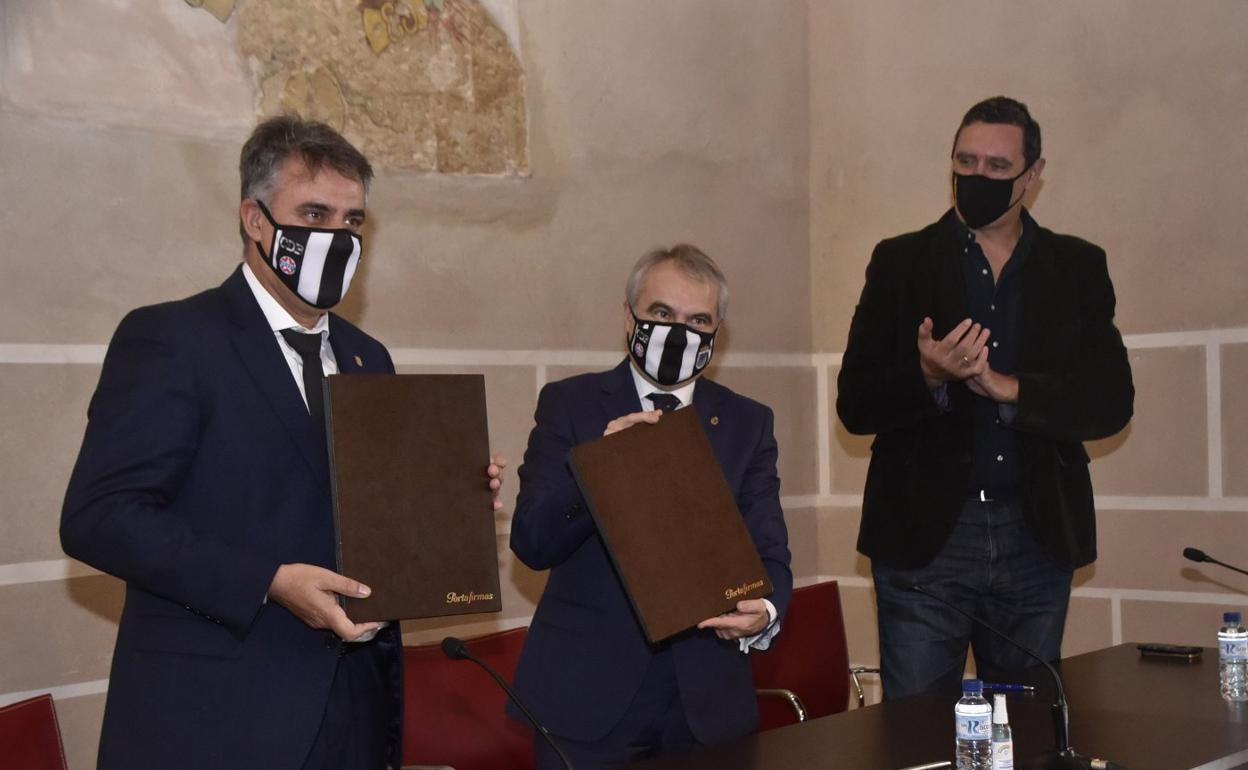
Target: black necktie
x,y
308,346
664,402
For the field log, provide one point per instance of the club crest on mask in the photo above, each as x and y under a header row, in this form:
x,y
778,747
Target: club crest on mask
x,y
670,353
317,264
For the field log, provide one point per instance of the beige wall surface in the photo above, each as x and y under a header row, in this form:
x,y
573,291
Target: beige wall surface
x,y
1141,106
120,125
784,138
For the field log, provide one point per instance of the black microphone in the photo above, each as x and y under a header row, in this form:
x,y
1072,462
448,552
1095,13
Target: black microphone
x,y
1197,555
1066,757
455,649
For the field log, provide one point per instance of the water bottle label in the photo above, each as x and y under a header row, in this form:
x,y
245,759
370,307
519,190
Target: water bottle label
x,y
1233,649
1003,756
974,727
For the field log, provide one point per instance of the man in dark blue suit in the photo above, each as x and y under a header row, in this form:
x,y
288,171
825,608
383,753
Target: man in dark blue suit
x,y
587,670
203,482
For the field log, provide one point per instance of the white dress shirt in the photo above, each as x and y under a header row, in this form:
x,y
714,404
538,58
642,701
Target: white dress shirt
x,y
278,320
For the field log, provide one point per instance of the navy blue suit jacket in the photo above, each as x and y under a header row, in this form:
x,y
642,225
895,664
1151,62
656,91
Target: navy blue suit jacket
x,y
586,654
199,474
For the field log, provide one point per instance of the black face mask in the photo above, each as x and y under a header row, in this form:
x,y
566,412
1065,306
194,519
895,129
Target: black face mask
x,y
316,264
982,200
671,354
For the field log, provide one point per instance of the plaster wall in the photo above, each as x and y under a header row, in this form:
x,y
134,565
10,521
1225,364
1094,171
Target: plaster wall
x,y
120,125
1141,109
784,138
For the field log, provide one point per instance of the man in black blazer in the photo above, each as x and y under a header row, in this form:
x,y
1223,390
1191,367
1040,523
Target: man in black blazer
x,y
982,353
587,670
203,482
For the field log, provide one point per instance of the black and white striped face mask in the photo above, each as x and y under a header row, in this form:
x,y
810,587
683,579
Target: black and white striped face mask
x,y
317,264
671,354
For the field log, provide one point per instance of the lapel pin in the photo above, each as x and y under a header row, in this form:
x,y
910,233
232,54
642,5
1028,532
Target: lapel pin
x,y
359,361
715,420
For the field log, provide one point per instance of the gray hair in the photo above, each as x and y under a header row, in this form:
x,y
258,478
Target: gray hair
x,y
316,144
689,259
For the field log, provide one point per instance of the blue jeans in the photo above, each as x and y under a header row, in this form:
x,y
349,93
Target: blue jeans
x,y
992,567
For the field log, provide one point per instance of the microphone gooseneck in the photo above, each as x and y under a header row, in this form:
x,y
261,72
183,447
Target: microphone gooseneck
x,y
1066,757
1197,555
455,649
1061,712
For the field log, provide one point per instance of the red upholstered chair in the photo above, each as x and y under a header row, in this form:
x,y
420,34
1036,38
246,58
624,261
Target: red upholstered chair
x,y
806,673
30,737
453,711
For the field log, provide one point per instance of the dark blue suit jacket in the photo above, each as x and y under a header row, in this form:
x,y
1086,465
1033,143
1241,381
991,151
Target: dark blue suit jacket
x,y
200,473
586,653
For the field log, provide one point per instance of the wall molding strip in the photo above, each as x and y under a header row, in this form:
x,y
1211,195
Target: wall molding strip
x,y
1115,595
56,353
43,571
1213,420
60,692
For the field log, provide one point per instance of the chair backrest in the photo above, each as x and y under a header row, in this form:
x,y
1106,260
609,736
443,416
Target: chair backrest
x,y
30,737
809,656
453,711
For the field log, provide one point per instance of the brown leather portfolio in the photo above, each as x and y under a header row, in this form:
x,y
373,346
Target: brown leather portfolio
x,y
670,523
412,510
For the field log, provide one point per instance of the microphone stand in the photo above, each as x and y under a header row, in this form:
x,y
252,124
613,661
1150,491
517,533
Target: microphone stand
x,y
1065,757
455,649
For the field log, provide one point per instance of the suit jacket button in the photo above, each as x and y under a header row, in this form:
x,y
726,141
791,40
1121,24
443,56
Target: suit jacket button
x,y
331,641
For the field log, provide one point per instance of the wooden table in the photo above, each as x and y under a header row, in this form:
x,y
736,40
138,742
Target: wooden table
x,y
1143,713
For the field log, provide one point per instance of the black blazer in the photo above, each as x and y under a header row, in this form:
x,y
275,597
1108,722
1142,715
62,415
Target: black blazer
x,y
586,654
1074,385
200,473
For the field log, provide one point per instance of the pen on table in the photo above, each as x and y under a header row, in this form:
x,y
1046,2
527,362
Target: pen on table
x,y
1009,687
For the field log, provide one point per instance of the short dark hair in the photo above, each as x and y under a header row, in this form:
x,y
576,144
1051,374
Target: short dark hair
x,y
316,144
1003,109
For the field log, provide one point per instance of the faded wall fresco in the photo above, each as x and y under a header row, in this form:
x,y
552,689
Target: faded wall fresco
x,y
432,85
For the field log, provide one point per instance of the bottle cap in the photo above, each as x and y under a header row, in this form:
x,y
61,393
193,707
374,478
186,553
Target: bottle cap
x,y
1000,715
1231,617
972,686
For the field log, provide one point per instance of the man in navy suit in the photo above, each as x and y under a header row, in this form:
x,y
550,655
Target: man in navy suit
x,y
587,671
203,482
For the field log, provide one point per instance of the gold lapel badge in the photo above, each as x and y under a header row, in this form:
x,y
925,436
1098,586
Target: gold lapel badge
x,y
715,420
359,361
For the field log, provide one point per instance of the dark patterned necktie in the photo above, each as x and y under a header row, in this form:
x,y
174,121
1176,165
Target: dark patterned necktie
x,y
664,402
308,346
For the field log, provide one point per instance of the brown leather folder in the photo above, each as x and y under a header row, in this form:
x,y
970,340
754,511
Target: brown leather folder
x,y
670,523
412,511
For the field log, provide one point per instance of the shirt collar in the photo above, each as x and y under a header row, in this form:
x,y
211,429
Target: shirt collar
x,y
274,313
645,388
963,234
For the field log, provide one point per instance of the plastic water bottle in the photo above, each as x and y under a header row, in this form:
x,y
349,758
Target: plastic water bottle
x,y
1002,738
1233,658
973,719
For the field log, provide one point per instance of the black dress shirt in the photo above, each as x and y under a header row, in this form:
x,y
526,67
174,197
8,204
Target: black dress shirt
x,y
998,306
